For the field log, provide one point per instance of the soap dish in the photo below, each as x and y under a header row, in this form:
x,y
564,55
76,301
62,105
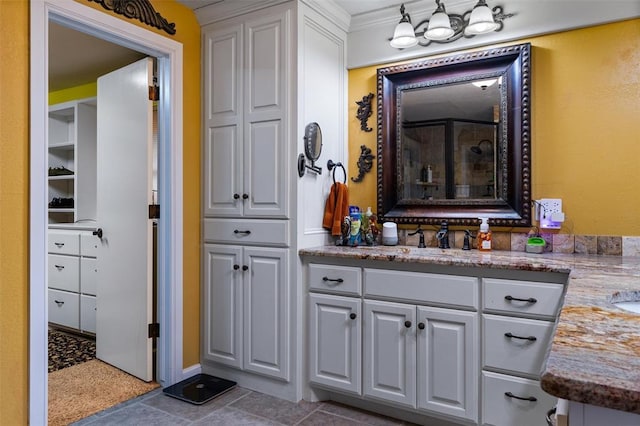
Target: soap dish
x,y
535,245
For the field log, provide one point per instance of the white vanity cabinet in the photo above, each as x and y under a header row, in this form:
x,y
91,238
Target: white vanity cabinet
x,y
412,355
72,277
518,320
246,299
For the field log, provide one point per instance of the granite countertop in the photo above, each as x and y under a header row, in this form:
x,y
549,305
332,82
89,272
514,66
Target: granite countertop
x,y
595,354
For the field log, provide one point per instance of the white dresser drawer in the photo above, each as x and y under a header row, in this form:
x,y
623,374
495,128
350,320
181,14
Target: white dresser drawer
x,y
501,406
419,287
64,272
88,276
247,231
522,297
64,242
336,279
88,313
89,245
515,344
64,308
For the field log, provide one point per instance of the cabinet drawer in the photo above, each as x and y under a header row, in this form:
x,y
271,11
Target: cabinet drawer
x,y
522,297
64,308
247,231
88,313
64,272
422,287
499,409
88,276
336,279
515,344
64,242
89,245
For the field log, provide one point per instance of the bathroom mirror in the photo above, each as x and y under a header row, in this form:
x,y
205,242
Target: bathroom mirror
x,y
454,139
312,141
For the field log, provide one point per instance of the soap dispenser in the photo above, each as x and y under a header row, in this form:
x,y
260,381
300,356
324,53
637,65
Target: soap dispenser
x,y
484,236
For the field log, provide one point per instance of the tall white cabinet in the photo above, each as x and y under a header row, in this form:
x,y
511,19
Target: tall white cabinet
x,y
254,112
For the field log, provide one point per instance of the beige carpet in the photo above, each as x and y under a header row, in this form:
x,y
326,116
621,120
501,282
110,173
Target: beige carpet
x,y
85,389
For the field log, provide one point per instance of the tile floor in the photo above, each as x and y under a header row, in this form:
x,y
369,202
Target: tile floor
x,y
236,407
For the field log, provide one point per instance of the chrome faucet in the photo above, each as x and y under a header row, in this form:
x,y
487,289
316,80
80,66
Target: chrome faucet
x,y
443,235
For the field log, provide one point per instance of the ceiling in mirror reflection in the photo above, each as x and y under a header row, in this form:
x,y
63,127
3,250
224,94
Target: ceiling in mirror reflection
x,y
461,101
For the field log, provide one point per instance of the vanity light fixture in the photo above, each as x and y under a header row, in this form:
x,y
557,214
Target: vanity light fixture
x,y
445,27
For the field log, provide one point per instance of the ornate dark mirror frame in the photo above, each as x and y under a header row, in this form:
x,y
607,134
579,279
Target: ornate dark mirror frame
x,y
512,207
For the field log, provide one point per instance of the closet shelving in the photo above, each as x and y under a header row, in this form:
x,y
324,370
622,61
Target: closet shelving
x,y
72,146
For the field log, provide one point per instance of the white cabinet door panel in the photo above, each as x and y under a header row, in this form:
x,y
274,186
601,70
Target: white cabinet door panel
x,y
266,308
222,293
223,172
448,362
88,276
88,313
389,352
335,342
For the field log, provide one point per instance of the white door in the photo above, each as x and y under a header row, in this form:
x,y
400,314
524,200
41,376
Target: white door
x,y
124,184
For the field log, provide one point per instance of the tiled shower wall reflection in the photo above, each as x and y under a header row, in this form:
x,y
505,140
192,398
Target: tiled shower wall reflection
x,y
556,243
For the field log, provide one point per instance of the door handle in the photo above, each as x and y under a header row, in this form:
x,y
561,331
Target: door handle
x,y
98,233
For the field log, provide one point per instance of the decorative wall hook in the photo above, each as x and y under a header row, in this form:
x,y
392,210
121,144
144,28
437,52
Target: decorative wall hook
x,y
365,162
141,10
364,111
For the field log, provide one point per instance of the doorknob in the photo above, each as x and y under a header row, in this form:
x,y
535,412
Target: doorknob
x,y
98,233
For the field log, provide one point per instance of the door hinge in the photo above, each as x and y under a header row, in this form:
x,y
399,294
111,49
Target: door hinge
x,y
154,330
154,92
154,211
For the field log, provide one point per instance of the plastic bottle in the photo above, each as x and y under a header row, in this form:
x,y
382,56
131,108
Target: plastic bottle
x,y
484,236
429,174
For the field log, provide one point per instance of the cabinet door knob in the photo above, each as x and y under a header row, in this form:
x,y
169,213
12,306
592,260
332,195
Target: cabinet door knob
x,y
98,233
407,324
522,398
245,268
236,267
352,315
513,336
245,196
421,325
529,300
236,196
333,280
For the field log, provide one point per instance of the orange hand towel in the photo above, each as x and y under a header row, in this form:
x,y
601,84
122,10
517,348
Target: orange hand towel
x,y
336,208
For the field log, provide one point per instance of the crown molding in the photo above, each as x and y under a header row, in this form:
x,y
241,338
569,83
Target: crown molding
x,y
330,10
227,9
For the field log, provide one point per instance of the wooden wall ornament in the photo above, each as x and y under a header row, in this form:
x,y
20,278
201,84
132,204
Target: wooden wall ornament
x,y
141,10
365,162
364,112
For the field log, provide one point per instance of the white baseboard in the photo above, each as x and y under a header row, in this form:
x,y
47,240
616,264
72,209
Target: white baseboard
x,y
191,371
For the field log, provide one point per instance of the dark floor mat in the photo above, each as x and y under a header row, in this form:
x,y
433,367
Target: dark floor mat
x,y
66,350
199,389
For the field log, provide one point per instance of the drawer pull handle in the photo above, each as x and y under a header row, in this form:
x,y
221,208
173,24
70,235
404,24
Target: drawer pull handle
x,y
333,280
421,325
59,302
241,232
528,398
59,267
59,245
513,336
352,316
529,300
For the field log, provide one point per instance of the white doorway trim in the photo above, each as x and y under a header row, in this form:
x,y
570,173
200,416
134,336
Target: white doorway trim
x,y
170,244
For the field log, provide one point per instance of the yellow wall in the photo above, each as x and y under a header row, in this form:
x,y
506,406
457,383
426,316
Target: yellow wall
x,y
585,126
14,194
88,90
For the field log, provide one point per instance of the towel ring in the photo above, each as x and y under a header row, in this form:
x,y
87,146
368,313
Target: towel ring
x,y
333,166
